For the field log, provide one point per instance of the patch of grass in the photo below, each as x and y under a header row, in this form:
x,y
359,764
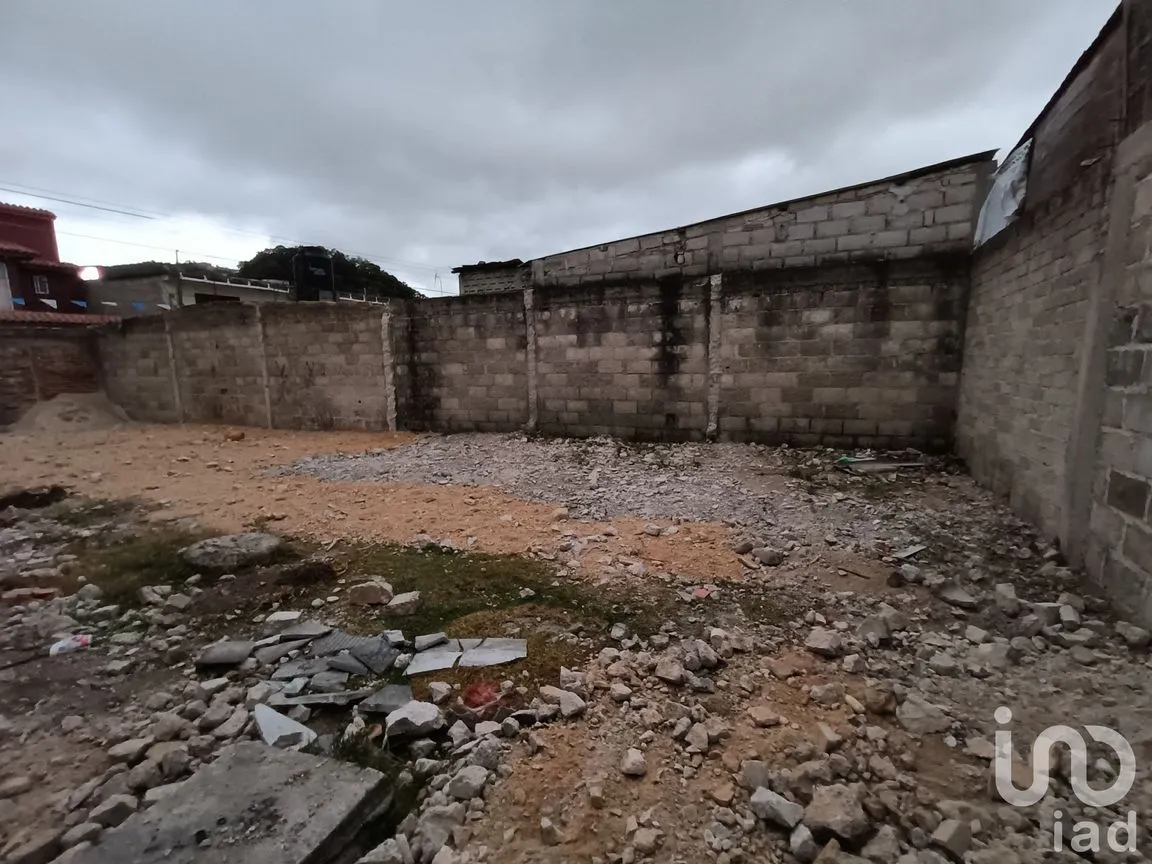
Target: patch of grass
x,y
453,585
764,606
84,512
149,556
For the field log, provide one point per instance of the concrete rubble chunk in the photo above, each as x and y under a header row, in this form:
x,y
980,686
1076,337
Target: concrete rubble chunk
x,y
346,697
954,595
1134,637
232,551
776,809
329,681
429,640
921,717
270,654
113,810
84,832
414,719
276,730
375,592
387,699
231,652
824,642
1004,595
468,782
304,630
234,725
954,837
836,809
669,670
394,850
408,603
320,805
633,764
348,664
130,751
802,845
435,825
281,619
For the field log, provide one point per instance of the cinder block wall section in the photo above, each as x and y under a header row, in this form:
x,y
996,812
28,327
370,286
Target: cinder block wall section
x,y
924,212
1119,544
1023,347
37,364
219,363
325,365
136,360
863,355
460,364
629,361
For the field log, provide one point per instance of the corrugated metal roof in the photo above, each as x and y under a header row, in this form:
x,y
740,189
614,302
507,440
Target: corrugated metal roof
x,y
16,316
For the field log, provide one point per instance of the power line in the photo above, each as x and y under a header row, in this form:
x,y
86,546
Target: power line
x,y
78,203
65,198
148,246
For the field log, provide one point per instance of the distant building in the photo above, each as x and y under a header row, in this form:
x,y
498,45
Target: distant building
x,y
32,277
151,287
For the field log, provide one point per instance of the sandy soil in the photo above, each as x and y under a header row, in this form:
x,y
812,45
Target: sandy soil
x,y
224,484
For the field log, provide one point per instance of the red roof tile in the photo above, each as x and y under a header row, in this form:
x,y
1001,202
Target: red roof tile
x,y
16,316
7,248
34,211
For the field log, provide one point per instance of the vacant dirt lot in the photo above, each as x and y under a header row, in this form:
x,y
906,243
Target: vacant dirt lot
x,y
805,602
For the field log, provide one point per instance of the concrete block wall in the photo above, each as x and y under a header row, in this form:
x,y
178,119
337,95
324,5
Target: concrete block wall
x,y
1023,348
629,361
135,357
1119,543
493,280
325,365
40,363
219,364
852,356
920,213
460,363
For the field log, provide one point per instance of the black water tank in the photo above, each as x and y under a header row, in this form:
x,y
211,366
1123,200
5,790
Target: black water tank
x,y
313,276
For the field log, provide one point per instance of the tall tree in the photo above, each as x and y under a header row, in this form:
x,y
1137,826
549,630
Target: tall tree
x,y
353,275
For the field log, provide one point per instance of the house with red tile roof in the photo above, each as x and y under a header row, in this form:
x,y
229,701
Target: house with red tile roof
x,y
32,276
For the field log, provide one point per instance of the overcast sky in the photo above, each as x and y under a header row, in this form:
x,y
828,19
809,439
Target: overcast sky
x,y
429,134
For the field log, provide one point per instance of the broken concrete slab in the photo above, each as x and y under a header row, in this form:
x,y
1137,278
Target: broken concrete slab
x,y
230,652
432,661
387,699
347,663
377,654
300,669
305,630
495,652
276,730
338,641
254,804
329,682
272,653
347,697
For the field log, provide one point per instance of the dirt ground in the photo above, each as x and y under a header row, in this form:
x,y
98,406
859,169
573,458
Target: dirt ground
x,y
839,535
198,472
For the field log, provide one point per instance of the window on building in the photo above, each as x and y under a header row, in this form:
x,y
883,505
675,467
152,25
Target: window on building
x,y
40,284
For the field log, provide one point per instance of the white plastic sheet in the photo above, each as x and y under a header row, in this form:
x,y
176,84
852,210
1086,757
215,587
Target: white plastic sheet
x,y
1005,196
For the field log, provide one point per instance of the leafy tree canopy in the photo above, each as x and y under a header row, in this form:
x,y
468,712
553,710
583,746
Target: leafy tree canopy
x,y
353,275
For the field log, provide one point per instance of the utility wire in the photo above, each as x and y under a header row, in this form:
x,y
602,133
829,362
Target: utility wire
x,y
146,214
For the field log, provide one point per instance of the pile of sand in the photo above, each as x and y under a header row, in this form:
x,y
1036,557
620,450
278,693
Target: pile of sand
x,y
71,412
